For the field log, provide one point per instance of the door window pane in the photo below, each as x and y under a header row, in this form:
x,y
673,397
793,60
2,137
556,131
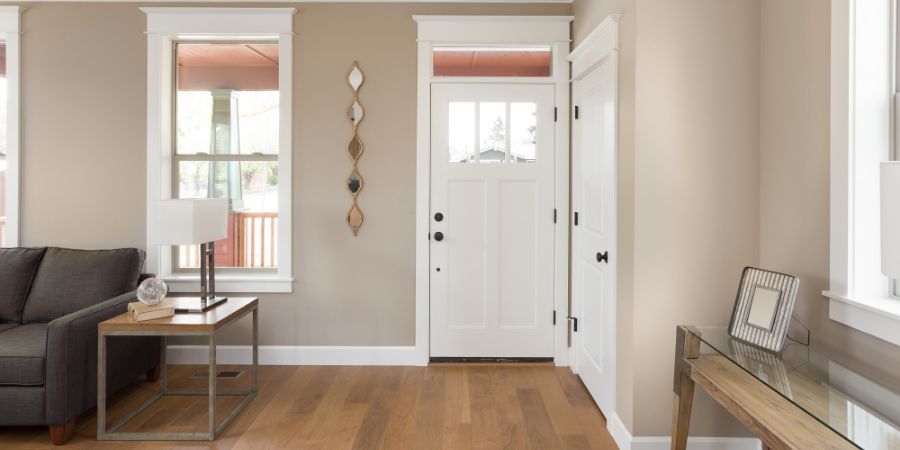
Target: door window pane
x,y
492,132
492,62
507,132
461,132
523,130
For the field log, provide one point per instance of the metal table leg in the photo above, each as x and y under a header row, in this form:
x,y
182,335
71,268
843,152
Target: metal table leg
x,y
163,366
255,368
212,387
101,384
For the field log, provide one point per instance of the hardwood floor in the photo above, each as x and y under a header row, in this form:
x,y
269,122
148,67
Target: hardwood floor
x,y
363,407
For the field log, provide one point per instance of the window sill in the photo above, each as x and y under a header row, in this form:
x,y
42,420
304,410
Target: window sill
x,y
879,317
232,284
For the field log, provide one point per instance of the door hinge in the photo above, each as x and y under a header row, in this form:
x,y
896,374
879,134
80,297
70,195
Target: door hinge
x,y
555,114
429,236
574,323
576,112
554,215
554,317
576,218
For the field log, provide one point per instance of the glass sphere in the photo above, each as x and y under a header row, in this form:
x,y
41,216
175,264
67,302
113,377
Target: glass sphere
x,y
152,291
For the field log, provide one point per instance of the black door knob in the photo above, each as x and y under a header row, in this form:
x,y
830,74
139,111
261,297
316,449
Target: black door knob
x,y
438,217
603,257
439,236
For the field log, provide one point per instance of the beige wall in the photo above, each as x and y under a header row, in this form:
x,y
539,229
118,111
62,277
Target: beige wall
x,y
696,186
794,214
688,186
84,81
588,15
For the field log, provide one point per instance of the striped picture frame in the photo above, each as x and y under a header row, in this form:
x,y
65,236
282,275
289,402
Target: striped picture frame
x,y
763,308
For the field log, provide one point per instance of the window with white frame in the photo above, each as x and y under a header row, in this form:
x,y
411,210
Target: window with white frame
x,y
9,126
219,127
862,136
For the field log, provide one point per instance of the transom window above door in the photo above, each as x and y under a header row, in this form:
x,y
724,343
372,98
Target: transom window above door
x,y
492,132
457,61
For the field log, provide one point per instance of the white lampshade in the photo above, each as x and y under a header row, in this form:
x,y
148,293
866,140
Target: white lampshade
x,y
188,222
890,219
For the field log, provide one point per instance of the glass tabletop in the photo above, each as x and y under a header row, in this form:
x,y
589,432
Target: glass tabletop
x,y
864,411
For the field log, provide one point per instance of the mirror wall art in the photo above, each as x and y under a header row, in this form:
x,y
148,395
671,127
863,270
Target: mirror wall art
x,y
355,148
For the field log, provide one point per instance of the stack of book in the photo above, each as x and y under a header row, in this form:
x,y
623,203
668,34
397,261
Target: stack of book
x,y
141,312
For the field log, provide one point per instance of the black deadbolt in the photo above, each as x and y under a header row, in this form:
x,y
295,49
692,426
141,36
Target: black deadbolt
x,y
603,257
438,217
439,236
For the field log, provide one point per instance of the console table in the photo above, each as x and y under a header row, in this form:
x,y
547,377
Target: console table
x,y
800,399
205,324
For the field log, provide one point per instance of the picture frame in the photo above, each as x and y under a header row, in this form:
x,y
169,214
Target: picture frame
x,y
763,307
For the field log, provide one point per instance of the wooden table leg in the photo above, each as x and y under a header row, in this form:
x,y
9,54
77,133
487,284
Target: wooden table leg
x,y
687,346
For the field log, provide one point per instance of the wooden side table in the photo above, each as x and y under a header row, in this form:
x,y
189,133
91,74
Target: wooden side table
x,y
787,400
203,324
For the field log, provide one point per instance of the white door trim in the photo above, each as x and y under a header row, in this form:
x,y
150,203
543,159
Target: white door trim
x,y
602,46
448,30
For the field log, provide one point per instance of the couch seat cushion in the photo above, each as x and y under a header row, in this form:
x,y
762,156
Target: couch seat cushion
x,y
17,269
69,280
22,353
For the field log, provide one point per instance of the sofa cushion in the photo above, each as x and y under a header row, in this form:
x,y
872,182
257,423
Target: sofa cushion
x,y
17,269
22,352
69,280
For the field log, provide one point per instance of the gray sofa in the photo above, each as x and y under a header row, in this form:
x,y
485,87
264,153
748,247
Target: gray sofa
x,y
51,300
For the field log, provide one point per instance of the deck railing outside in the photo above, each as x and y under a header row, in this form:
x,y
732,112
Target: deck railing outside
x,y
255,243
256,239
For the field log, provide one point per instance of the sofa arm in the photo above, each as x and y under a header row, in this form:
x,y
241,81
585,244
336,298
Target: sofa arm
x,y
71,364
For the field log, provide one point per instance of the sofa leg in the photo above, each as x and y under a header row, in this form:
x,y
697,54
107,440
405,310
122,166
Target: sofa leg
x,y
60,434
153,374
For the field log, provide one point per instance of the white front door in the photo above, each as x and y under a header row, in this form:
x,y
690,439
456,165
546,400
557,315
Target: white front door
x,y
492,194
594,231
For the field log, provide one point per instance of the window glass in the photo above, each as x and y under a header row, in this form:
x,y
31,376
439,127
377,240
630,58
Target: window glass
x,y
3,161
221,86
492,132
492,62
506,132
462,131
227,119
522,132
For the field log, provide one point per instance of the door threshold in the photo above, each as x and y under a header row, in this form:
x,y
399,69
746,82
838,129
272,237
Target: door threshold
x,y
487,360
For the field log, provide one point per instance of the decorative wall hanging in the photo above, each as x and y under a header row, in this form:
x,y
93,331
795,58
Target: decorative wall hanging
x,y
355,148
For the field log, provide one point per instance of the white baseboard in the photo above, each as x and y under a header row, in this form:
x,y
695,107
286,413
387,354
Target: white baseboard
x,y
626,441
278,355
619,431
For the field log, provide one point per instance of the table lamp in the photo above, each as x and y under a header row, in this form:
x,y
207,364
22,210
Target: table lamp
x,y
190,222
890,219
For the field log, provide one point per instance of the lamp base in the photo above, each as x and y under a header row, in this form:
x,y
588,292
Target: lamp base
x,y
197,305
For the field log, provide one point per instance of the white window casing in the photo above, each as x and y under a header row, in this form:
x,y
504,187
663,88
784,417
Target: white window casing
x,y
862,87
165,26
